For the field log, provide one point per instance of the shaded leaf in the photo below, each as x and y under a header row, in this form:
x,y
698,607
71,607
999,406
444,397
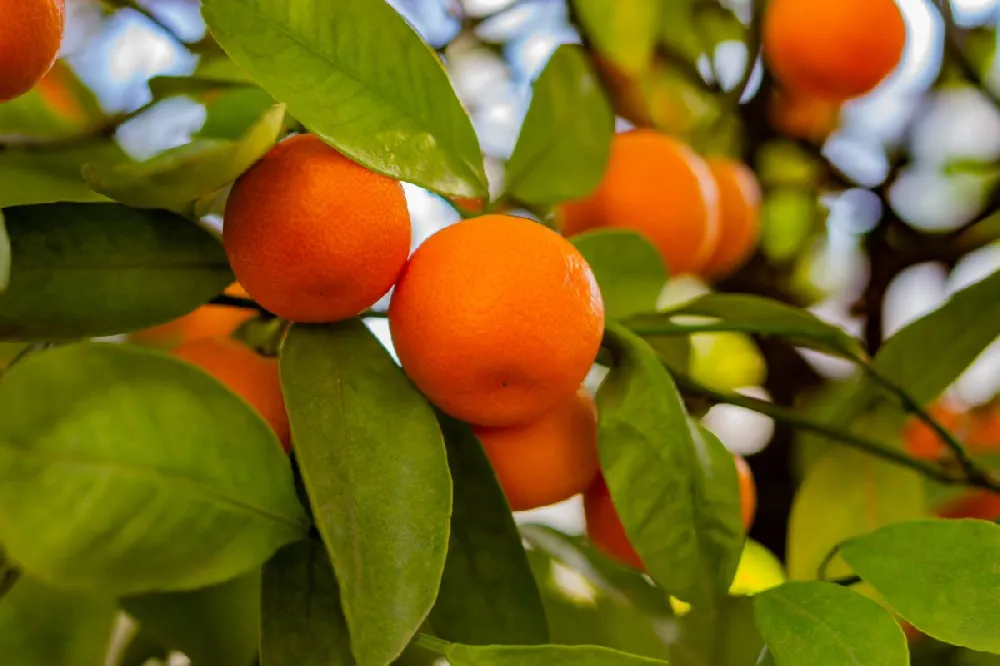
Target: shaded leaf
x,y
625,33
724,635
217,625
51,175
177,178
762,316
380,95
301,619
675,486
82,270
940,575
628,269
565,140
624,586
133,451
543,655
488,595
43,626
845,494
5,255
141,648
375,467
822,624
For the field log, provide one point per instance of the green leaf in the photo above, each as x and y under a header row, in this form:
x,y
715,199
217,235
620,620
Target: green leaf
x,y
847,493
957,332
171,86
5,255
83,270
301,619
621,585
141,648
233,112
822,624
543,655
177,178
722,636
117,473
45,176
762,316
216,625
488,595
675,486
694,28
43,626
579,615
565,140
379,95
628,269
626,33
940,575
374,463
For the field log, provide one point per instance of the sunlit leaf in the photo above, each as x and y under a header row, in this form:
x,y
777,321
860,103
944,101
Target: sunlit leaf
x,y
542,655
117,473
628,269
822,624
375,467
565,140
940,575
625,33
380,95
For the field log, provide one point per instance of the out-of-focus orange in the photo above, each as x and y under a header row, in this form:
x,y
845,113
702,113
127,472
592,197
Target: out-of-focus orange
x,y
803,116
208,321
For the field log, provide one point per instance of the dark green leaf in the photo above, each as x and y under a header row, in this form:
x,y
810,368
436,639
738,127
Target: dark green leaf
x,y
822,624
693,28
301,619
375,467
42,626
754,314
626,33
82,270
675,487
169,86
940,575
725,635
379,95
627,267
181,176
957,332
217,625
845,494
117,473
565,140
543,655
621,585
488,595
45,176
141,648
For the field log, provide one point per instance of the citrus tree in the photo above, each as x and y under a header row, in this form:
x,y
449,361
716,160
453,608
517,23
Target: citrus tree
x,y
206,452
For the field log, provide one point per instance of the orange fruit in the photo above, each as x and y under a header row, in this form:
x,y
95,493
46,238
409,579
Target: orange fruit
x,y
659,187
981,504
29,43
547,460
313,236
54,88
920,441
836,50
496,319
803,116
208,321
748,491
251,376
604,527
739,205
984,429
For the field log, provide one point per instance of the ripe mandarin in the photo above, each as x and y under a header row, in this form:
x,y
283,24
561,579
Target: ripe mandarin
x,y
837,49
657,186
748,491
30,38
313,236
739,204
251,376
208,321
496,319
547,460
